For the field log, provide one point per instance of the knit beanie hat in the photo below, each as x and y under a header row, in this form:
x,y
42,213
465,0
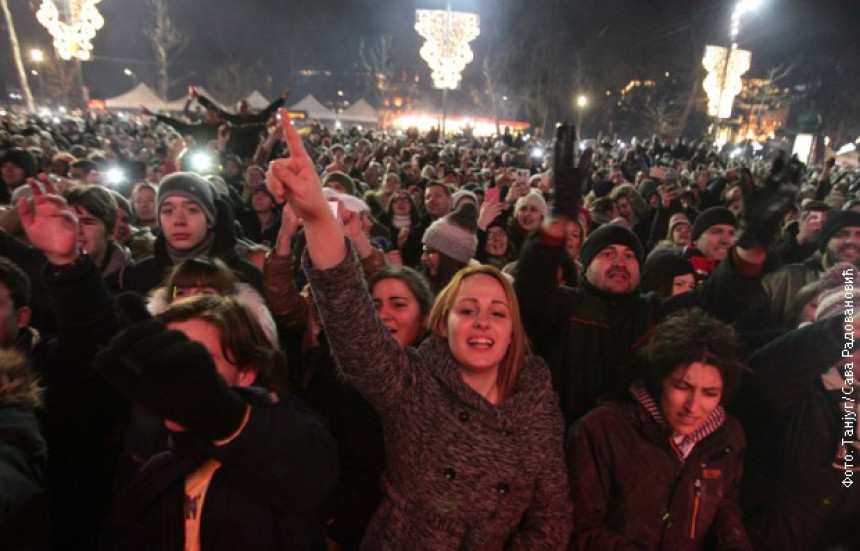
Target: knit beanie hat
x,y
610,234
832,297
190,186
455,235
462,194
836,220
661,269
341,178
532,198
23,159
712,217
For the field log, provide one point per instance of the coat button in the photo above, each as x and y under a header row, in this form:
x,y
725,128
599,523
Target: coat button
x,y
503,489
509,433
450,474
464,416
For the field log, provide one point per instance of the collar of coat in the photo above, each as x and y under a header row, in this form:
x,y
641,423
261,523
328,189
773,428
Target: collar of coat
x,y
533,390
714,421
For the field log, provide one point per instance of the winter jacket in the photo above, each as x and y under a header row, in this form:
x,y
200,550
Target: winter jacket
x,y
84,416
782,285
150,273
461,473
23,461
272,477
792,496
589,337
632,490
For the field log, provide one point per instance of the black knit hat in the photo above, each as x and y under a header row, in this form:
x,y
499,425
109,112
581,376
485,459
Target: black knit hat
x,y
661,269
23,159
712,217
455,235
191,186
610,234
836,220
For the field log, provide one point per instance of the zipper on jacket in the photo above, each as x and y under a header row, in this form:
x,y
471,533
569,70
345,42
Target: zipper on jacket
x,y
697,491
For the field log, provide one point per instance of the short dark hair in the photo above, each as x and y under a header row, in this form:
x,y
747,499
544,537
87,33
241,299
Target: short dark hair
x,y
687,337
16,281
97,200
417,283
201,272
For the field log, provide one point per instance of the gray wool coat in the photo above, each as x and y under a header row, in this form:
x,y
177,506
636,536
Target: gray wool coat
x,y
461,473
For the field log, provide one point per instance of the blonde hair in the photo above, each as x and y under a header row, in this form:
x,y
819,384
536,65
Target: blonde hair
x,y
519,349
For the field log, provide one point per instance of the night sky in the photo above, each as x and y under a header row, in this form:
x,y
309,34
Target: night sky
x,y
283,37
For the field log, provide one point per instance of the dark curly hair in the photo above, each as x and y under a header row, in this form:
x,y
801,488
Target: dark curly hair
x,y
687,337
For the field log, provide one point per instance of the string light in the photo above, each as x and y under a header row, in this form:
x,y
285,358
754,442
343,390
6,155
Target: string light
x,y
723,82
72,37
446,50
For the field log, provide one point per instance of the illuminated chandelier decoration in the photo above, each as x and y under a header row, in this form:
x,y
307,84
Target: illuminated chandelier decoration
x,y
446,50
72,37
723,82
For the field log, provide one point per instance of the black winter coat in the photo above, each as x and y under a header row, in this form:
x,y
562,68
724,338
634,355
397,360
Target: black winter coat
x,y
792,496
588,337
272,478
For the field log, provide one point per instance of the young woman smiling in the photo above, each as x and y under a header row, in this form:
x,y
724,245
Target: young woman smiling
x,y
472,427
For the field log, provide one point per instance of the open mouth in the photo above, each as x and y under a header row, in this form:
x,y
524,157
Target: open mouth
x,y
480,343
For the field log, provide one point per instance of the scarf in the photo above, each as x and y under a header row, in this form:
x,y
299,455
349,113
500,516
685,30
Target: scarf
x,y
202,249
685,444
400,221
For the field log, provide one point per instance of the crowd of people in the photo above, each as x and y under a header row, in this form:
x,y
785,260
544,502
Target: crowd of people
x,y
226,332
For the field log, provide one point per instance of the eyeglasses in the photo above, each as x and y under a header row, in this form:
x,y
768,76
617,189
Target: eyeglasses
x,y
496,235
401,199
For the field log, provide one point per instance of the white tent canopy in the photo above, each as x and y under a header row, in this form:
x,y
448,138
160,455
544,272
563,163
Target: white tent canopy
x,y
257,101
140,95
314,109
360,111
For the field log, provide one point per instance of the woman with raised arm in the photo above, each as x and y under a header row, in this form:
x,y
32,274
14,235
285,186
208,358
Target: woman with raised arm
x,y
472,427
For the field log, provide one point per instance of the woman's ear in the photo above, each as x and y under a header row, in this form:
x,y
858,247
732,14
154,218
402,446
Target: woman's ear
x,y
247,377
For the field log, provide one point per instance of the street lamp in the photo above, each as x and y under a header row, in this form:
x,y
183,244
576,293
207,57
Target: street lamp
x,y
37,56
581,104
129,73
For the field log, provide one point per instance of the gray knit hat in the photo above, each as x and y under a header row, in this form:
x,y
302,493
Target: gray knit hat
x,y
455,235
832,297
192,187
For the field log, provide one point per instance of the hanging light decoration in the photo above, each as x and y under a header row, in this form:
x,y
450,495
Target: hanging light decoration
x,y
73,34
725,67
446,50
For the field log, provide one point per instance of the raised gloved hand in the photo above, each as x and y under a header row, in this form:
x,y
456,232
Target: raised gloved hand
x,y
568,178
764,206
174,377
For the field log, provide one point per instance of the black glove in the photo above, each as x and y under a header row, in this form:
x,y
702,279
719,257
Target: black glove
x,y
568,179
765,207
174,377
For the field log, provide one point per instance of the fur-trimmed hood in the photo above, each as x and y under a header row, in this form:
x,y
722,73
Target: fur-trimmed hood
x,y
157,303
18,384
